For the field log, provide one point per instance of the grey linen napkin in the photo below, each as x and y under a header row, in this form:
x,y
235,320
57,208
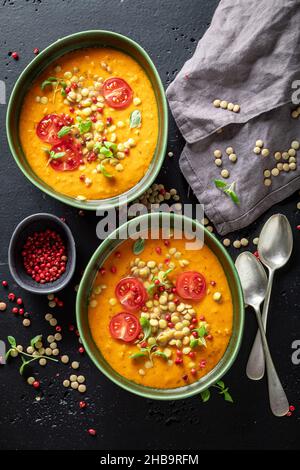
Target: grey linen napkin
x,y
250,55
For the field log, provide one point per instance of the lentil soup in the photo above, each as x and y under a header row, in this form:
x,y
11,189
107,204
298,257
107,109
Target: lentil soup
x,y
162,318
89,124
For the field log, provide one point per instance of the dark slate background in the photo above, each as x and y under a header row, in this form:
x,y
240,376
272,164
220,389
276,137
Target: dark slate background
x,y
169,31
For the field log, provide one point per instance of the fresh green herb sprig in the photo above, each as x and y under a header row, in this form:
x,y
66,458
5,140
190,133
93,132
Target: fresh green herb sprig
x,y
146,327
25,362
57,81
162,281
107,149
64,131
135,119
228,189
53,156
138,246
202,332
82,126
223,391
147,352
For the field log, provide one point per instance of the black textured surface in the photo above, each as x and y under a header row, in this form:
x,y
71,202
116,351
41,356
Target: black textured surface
x,y
169,31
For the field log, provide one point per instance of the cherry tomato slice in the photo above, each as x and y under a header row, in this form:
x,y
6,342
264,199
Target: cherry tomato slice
x,y
50,125
131,293
70,161
124,326
191,285
117,93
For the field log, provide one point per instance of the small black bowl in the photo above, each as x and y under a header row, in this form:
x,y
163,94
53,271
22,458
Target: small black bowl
x,y
37,223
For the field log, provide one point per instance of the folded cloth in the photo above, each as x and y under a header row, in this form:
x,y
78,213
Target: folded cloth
x,y
249,56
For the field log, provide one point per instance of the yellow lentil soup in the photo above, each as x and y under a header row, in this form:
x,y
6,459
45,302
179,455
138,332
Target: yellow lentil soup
x,y
162,318
89,124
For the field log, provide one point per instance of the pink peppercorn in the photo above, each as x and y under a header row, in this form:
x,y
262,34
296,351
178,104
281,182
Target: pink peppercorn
x,y
11,297
4,283
36,51
15,55
178,361
92,432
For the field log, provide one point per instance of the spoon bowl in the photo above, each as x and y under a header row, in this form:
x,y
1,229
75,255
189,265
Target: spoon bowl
x,y
275,242
253,278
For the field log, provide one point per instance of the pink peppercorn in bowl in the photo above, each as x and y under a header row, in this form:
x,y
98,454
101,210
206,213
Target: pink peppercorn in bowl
x,y
41,254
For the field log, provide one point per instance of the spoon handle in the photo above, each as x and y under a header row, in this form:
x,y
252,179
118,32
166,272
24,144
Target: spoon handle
x,y
256,363
278,400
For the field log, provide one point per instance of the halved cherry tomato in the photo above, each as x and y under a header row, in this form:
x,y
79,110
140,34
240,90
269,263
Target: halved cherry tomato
x,y
70,161
191,285
131,293
117,93
124,326
50,125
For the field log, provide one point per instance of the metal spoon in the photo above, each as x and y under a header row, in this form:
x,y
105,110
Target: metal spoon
x,y
274,247
254,283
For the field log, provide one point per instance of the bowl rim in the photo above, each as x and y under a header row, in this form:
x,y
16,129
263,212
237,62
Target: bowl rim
x,y
164,122
26,222
147,391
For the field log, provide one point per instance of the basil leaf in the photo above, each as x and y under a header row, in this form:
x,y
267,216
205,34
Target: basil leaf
x,y
150,289
194,343
232,194
220,184
49,81
205,395
228,397
221,384
84,126
137,355
56,155
64,131
228,190
160,354
145,324
35,340
106,152
12,341
202,331
135,119
110,145
104,171
168,271
97,146
138,246
202,342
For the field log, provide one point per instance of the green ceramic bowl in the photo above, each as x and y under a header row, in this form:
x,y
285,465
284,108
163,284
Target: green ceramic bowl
x,y
97,260
52,54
